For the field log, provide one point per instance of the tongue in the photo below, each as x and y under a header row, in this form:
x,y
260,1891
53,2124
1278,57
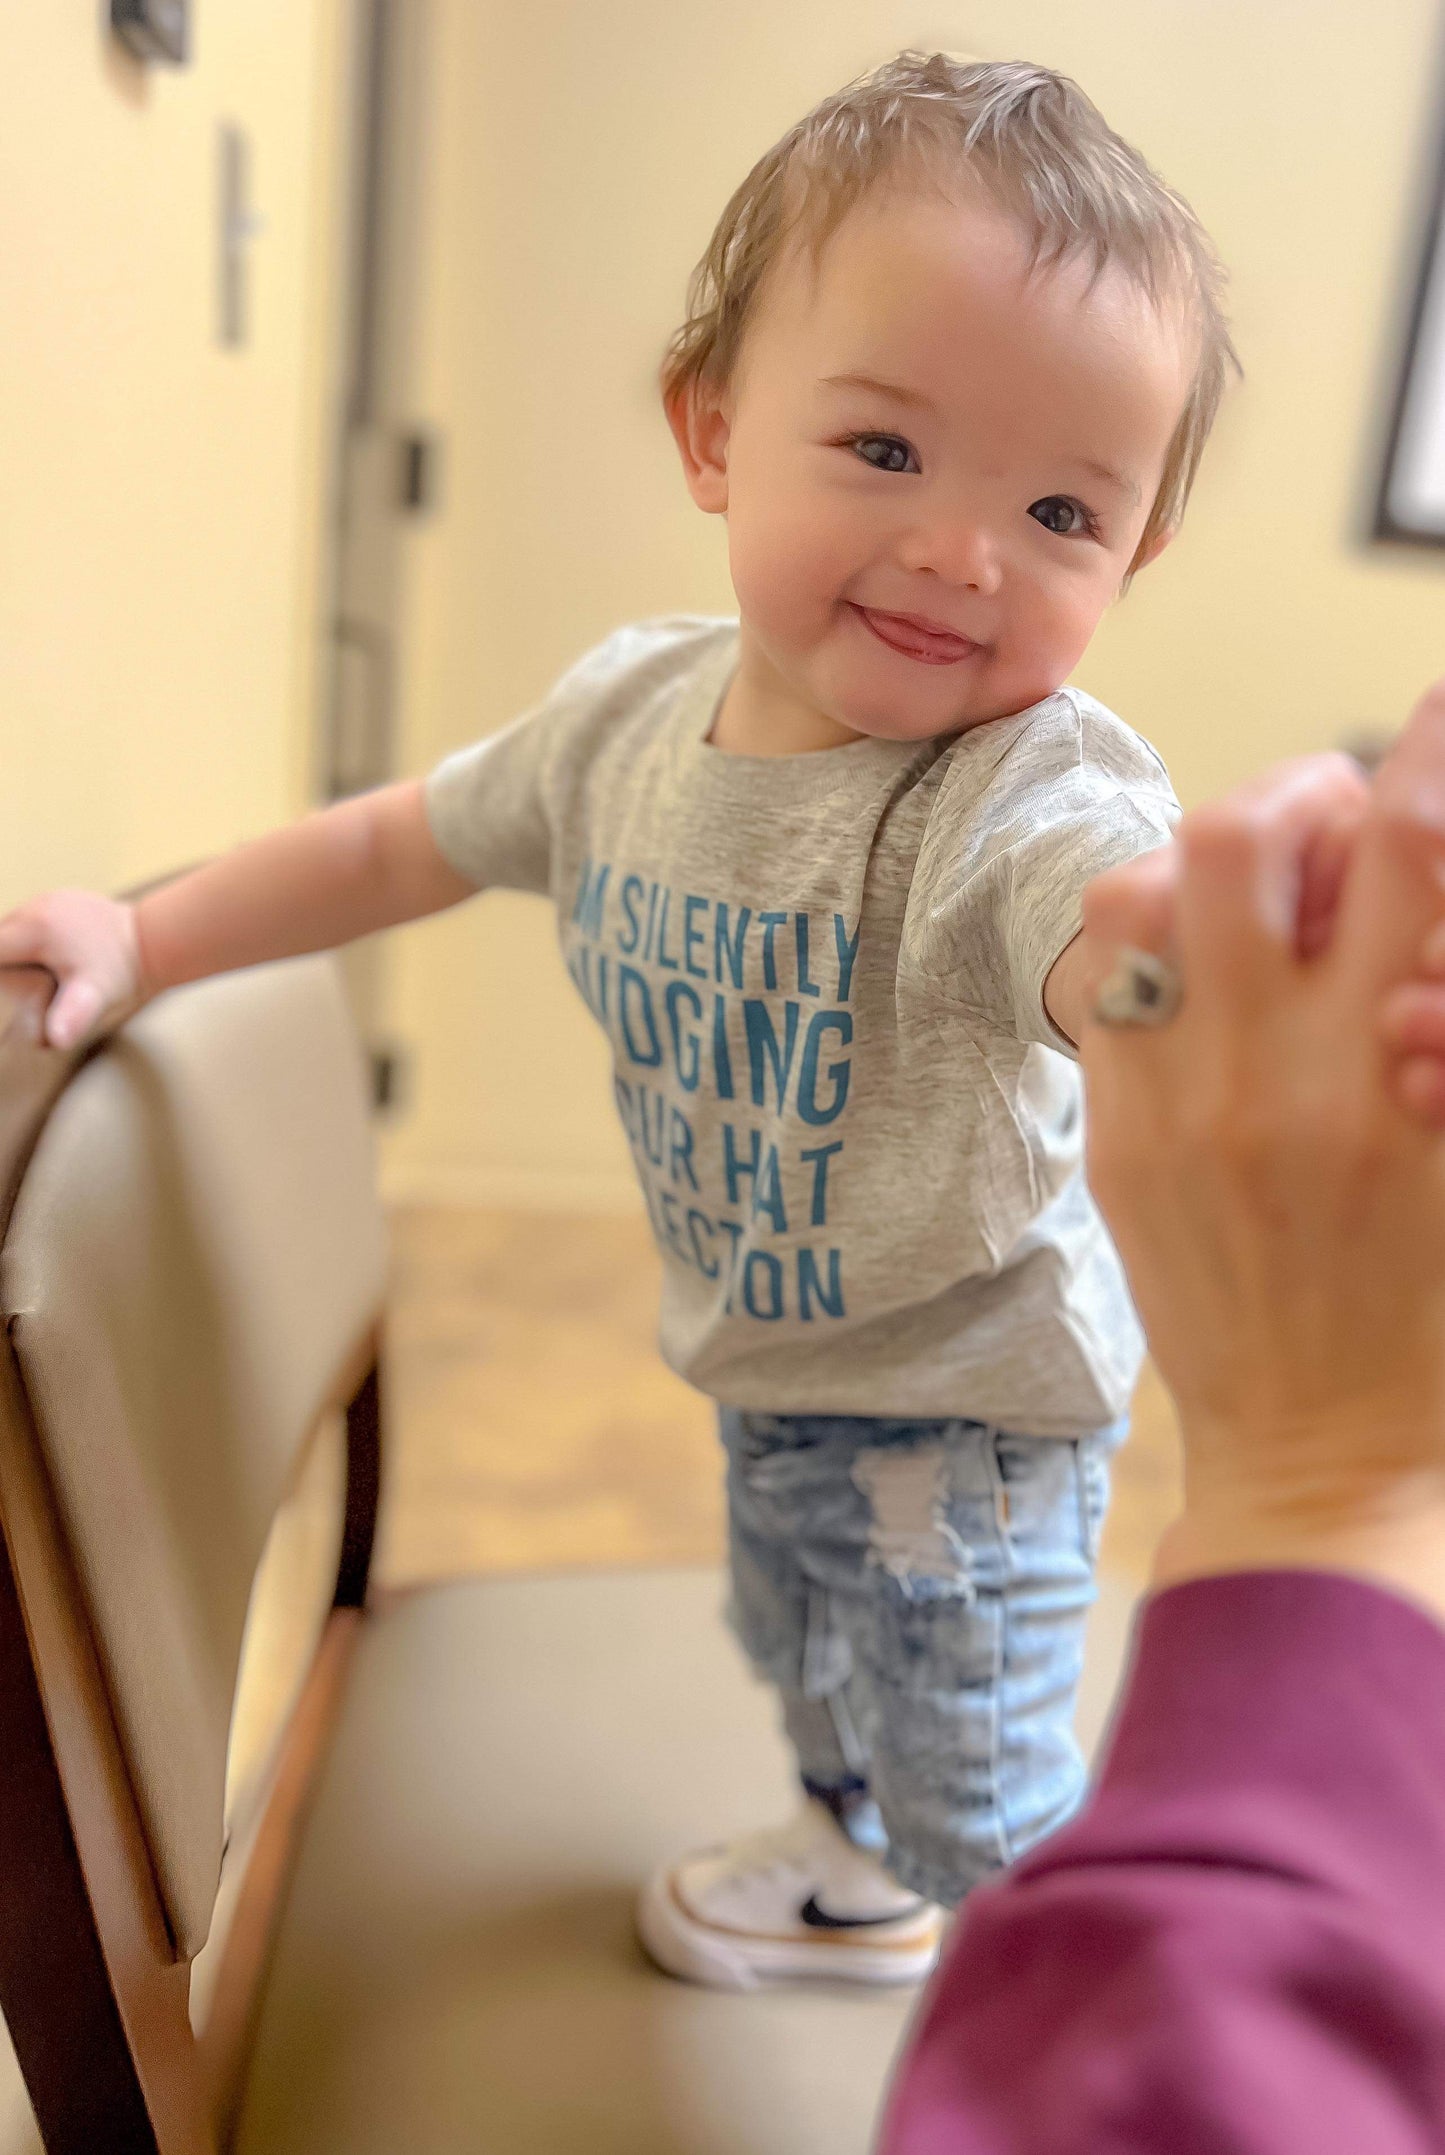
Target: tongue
x,y
912,636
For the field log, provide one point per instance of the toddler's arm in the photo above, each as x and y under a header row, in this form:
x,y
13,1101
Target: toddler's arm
x,y
346,871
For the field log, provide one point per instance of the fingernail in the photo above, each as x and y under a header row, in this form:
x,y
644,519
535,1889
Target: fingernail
x,y
1421,1086
1401,1011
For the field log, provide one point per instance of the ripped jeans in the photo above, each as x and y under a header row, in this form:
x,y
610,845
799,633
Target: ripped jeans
x,y
916,1591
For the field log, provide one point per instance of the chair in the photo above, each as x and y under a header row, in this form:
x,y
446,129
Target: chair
x,y
405,1929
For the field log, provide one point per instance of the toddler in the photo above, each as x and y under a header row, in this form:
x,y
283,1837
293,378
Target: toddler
x,y
950,362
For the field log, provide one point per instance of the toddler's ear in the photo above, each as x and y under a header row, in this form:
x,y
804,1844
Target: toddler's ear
x,y
700,427
1153,550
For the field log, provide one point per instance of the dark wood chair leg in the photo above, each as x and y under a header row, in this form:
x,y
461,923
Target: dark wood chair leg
x,y
363,1490
100,2073
53,1978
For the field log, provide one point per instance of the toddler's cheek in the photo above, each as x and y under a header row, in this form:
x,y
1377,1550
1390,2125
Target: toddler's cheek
x,y
1039,650
1018,678
784,582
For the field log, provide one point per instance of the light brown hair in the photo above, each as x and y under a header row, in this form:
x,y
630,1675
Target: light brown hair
x,y
1040,150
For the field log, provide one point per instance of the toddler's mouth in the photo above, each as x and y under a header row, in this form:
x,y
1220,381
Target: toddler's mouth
x,y
915,637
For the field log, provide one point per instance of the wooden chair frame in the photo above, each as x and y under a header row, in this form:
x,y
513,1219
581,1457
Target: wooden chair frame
x,y
93,1992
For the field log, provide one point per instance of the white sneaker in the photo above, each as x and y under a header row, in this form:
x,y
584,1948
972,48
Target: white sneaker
x,y
799,1901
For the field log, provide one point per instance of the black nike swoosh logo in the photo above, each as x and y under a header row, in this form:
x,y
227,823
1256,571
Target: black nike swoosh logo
x,y
818,1919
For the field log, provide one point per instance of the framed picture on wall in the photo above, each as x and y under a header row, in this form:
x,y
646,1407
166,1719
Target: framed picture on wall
x,y
1412,492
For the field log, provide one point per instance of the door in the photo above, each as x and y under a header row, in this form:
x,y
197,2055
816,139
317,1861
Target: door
x,y
383,466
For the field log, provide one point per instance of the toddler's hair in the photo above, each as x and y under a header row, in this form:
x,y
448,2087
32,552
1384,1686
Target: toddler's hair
x,y
1042,152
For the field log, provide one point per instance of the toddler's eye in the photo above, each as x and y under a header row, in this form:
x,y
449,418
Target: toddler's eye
x,y
1062,514
885,452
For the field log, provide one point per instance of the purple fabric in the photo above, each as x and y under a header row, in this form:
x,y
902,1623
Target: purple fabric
x,y
1239,1947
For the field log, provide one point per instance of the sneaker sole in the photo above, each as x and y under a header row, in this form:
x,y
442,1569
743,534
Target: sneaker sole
x,y
747,1960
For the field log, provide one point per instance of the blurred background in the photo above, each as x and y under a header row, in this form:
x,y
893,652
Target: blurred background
x,y
330,437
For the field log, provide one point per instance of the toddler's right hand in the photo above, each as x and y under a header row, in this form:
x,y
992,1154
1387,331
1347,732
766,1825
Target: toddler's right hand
x,y
89,943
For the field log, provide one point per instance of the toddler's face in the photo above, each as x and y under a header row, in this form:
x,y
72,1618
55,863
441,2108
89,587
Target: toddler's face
x,y
935,467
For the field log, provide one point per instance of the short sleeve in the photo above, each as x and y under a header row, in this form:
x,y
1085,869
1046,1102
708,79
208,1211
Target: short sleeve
x,y
1006,862
495,808
485,805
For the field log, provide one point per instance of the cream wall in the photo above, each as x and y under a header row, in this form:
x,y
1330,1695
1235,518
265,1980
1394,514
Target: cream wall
x,y
160,497
579,156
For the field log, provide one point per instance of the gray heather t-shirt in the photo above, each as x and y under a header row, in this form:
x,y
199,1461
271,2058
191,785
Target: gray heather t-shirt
x,y
822,977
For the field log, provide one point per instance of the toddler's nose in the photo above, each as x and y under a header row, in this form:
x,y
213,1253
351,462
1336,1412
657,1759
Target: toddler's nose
x,y
961,554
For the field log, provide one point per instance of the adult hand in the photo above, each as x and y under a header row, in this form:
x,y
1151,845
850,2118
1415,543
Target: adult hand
x,y
1280,1209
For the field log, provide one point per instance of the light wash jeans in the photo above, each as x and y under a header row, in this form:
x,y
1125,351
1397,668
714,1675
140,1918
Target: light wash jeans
x,y
916,1591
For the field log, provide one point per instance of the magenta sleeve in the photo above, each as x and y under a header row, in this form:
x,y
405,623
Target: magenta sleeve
x,y
1239,1945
